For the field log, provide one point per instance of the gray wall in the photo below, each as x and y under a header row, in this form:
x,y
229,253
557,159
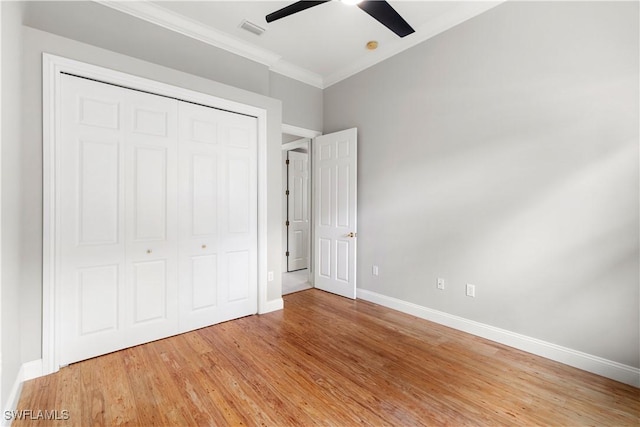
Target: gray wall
x,y
504,153
11,195
104,27
301,103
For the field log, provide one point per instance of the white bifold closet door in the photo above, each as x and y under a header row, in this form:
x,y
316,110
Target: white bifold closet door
x,y
218,211
157,218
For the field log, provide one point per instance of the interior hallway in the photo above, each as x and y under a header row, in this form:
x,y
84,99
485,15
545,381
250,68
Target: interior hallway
x,y
295,281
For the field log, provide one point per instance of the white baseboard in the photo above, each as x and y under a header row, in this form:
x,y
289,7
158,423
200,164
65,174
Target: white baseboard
x,y
31,370
272,305
28,371
587,362
12,400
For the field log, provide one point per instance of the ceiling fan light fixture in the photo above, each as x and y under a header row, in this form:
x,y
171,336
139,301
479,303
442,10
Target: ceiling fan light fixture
x,y
351,2
380,10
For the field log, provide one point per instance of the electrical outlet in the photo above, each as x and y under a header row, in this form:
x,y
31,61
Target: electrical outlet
x,y
270,276
471,290
440,283
374,270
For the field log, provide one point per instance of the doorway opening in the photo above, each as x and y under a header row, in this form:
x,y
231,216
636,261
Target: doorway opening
x,y
296,213
332,209
297,221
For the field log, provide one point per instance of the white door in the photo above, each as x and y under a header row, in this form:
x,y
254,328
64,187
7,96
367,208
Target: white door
x,y
117,267
218,207
335,197
157,219
298,211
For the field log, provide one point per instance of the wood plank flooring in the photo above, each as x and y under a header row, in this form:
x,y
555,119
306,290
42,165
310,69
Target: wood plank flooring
x,y
327,360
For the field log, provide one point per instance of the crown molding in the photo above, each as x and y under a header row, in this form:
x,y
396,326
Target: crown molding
x,y
298,73
158,15
440,24
170,20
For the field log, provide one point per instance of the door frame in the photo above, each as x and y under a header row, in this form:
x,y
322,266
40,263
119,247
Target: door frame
x,y
52,68
303,144
307,137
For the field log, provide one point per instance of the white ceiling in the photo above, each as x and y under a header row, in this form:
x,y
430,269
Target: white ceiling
x,y
319,46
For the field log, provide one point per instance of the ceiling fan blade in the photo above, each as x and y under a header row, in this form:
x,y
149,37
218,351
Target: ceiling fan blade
x,y
387,16
296,7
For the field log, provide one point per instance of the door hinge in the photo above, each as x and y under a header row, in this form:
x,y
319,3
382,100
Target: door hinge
x,y
287,161
287,223
286,193
287,253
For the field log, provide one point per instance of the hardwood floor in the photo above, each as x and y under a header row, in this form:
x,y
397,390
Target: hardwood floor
x,y
327,360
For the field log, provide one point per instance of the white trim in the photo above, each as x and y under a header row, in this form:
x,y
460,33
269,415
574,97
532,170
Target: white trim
x,y
48,191
158,15
181,24
52,67
587,362
273,305
27,371
1,62
295,72
170,20
298,143
263,267
301,132
31,370
11,403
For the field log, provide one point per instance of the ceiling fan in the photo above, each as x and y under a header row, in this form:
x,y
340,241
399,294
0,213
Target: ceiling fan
x,y
378,9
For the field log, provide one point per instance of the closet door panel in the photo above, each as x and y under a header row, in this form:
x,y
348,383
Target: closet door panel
x,y
200,180
90,272
238,270
150,124
239,222
238,195
218,193
150,291
98,300
204,270
150,193
204,197
98,192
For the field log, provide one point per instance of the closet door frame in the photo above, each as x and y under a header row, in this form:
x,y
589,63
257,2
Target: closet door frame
x,y
53,67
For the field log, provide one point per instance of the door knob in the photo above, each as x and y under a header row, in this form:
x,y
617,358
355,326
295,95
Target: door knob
x,y
204,246
352,234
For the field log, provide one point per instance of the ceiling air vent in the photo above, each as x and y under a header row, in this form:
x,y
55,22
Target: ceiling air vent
x,y
252,28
